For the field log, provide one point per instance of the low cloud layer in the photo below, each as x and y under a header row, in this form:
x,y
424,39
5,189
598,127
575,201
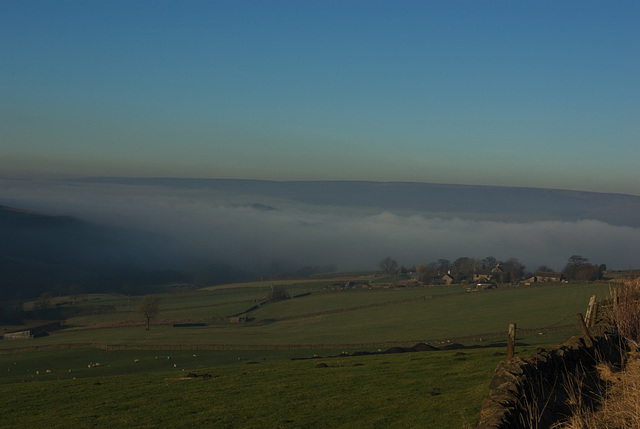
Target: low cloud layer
x,y
205,225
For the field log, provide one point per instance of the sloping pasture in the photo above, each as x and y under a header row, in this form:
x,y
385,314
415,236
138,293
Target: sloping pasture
x,y
367,317
253,384
425,389
414,315
196,305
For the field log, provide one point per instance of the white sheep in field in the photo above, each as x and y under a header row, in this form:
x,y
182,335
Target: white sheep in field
x,y
175,365
136,360
48,371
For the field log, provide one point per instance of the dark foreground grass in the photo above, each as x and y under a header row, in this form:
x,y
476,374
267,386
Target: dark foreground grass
x,y
424,389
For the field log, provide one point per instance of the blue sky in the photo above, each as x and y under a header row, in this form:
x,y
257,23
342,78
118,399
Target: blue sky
x,y
516,93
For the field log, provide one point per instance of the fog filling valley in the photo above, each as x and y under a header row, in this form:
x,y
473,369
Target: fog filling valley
x,y
256,225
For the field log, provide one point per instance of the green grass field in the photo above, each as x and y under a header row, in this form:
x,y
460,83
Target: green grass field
x,y
423,389
255,383
376,316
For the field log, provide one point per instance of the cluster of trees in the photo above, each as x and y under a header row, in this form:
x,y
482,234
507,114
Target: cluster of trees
x,y
579,268
462,268
510,270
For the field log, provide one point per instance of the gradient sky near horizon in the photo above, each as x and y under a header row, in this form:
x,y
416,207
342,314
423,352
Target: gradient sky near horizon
x,y
516,93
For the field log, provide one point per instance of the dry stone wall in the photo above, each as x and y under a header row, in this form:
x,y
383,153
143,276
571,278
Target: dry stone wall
x,y
534,391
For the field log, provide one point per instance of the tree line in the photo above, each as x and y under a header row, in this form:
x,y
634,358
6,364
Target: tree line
x,y
508,271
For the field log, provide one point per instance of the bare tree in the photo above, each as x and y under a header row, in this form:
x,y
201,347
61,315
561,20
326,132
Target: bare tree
x,y
443,266
76,293
149,307
388,265
43,303
464,265
277,293
425,274
489,262
513,270
59,290
544,269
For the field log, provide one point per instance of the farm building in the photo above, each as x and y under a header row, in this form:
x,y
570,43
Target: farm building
x,y
448,279
20,335
545,278
486,275
550,277
35,330
481,276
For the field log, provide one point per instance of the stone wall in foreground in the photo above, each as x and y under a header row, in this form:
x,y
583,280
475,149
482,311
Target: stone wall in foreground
x,y
533,391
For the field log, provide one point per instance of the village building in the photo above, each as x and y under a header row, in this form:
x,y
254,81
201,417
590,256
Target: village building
x,y
448,279
486,276
20,335
545,277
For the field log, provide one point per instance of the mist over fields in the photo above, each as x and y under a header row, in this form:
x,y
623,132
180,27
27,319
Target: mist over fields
x,y
263,226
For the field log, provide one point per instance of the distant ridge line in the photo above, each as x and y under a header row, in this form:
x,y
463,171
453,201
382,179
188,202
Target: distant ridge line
x,y
149,179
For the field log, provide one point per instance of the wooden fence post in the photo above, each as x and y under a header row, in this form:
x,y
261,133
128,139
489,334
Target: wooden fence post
x,y
511,344
594,314
590,315
585,331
